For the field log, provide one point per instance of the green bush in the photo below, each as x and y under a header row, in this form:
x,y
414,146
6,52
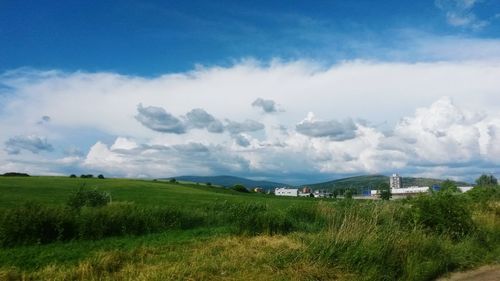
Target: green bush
x,y
240,188
482,194
442,213
90,198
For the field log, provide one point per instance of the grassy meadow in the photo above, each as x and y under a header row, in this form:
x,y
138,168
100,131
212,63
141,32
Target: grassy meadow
x,y
156,230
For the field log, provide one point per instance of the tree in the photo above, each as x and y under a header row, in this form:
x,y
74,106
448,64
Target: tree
x,y
335,193
15,174
209,183
449,186
486,180
348,194
385,191
172,180
72,176
240,188
100,177
385,194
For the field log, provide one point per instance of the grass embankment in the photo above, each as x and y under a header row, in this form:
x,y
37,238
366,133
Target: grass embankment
x,y
221,234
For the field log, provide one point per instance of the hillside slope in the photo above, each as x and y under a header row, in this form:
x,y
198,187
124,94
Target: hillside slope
x,y
228,181
56,191
372,181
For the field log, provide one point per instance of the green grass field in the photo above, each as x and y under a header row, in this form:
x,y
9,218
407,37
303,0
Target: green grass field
x,y
156,230
55,191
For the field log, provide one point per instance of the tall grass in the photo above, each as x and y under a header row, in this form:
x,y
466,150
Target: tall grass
x,y
415,239
33,223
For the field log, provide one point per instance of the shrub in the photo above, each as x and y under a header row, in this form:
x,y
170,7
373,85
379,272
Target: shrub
x,y
348,194
442,213
90,198
385,194
482,194
449,186
240,188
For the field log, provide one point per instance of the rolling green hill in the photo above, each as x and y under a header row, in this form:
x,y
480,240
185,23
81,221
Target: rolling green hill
x,y
228,181
372,181
56,190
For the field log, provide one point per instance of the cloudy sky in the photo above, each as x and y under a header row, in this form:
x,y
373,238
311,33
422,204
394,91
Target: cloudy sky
x,y
291,91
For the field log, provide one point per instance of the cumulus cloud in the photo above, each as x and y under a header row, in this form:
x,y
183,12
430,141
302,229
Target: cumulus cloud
x,y
268,106
246,126
242,140
32,143
157,119
442,134
459,13
422,134
163,160
335,130
199,118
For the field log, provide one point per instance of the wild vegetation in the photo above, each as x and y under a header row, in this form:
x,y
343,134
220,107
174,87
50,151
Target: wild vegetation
x,y
171,231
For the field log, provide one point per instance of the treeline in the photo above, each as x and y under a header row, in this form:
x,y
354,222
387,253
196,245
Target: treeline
x,y
15,174
86,176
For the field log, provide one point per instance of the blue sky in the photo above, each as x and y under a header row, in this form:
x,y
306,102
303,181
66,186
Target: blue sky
x,y
292,91
155,37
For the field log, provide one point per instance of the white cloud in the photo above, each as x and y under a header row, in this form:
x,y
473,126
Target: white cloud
x,y
423,132
459,13
335,130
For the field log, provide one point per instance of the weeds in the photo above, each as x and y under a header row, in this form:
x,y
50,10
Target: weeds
x,y
415,239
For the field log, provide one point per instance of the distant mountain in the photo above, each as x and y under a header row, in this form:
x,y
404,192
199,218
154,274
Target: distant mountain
x,y
371,182
229,181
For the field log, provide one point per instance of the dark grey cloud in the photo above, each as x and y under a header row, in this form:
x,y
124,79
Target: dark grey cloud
x,y
44,119
241,140
199,118
268,106
246,126
35,144
335,130
191,148
157,119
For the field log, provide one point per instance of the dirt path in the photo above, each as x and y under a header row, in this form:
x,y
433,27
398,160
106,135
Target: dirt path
x,y
485,273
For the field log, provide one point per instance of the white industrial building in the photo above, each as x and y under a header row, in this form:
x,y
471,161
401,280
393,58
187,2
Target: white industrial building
x,y
465,188
283,191
396,185
410,190
395,181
